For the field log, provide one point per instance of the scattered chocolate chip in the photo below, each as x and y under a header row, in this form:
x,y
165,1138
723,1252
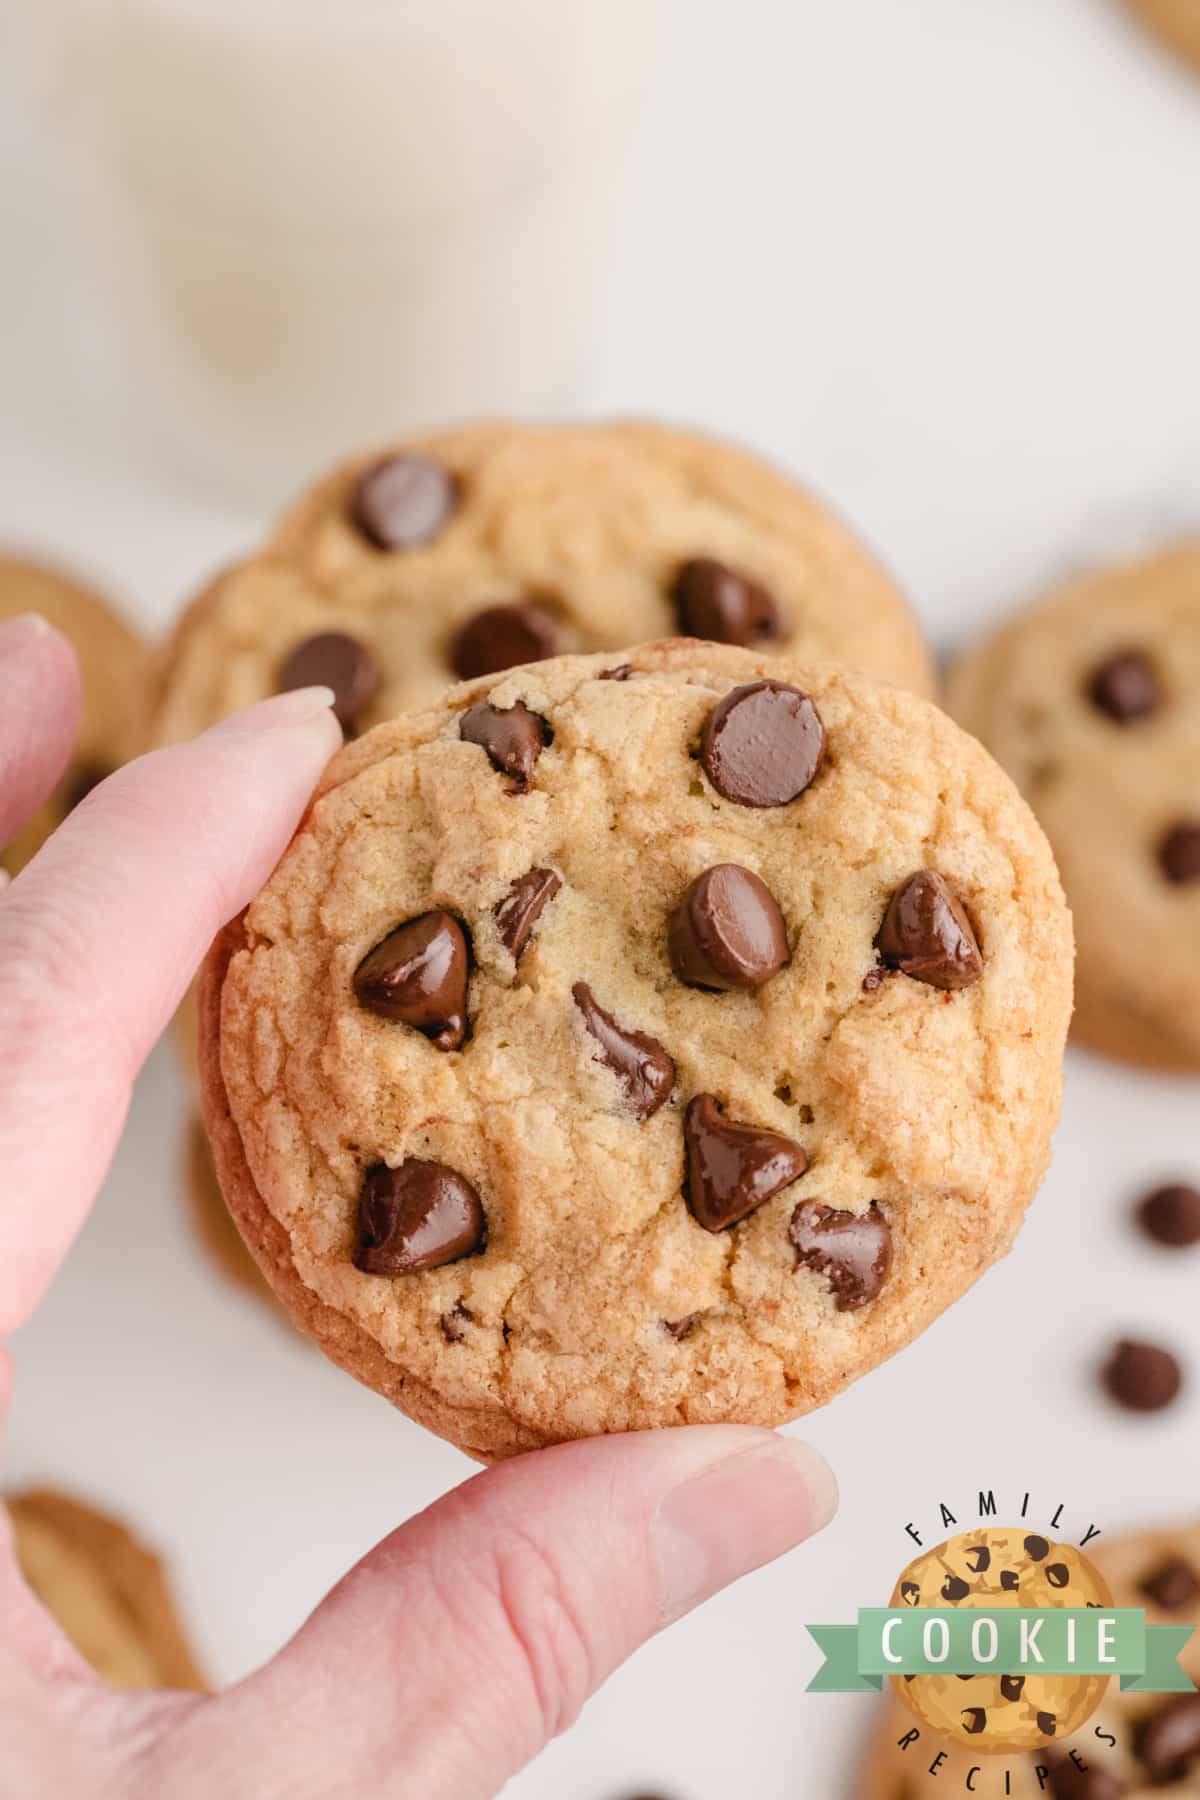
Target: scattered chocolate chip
x,y
1126,687
521,908
403,501
513,737
1173,1585
500,637
954,1588
452,1322
854,1250
335,660
1047,1723
1058,1575
622,672
679,1328
417,1216
1010,1581
1012,1686
728,931
713,602
974,1719
418,976
871,980
1171,1216
926,934
1142,1377
981,1558
639,1061
910,1593
1179,852
762,744
1169,1742
731,1169
1037,1548
80,782
1068,1781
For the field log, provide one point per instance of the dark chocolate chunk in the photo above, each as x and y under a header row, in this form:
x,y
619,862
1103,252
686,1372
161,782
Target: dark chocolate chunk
x,y
731,1169
762,744
853,1250
418,976
728,931
513,737
414,1217
926,934
714,602
639,1061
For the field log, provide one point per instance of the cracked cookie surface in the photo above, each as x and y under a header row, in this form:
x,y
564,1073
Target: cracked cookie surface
x,y
701,1148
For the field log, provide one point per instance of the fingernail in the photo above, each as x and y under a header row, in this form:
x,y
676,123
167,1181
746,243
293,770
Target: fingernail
x,y
278,713
23,629
743,1510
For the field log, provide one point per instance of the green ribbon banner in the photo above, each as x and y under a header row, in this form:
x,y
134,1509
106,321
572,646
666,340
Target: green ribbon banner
x,y
948,1640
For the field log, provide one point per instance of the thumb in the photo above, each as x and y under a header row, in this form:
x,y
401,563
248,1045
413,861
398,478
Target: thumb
x,y
473,1635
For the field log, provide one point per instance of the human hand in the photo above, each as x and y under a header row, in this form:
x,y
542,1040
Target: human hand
x,y
475,1632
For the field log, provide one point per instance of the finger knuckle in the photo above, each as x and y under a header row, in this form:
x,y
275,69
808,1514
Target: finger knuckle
x,y
537,1608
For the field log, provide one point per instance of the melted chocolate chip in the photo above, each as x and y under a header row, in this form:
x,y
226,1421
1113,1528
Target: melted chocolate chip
x,y
679,1328
1037,1548
335,660
1142,1377
513,737
639,1061
403,501
500,637
762,744
1168,1744
1126,687
521,908
415,1217
926,934
1011,1686
854,1250
1171,1216
418,976
1047,1723
980,1557
974,1719
452,1322
1179,852
1173,1585
1009,1580
622,672
954,1588
1058,1575
731,1169
1070,1782
714,602
728,932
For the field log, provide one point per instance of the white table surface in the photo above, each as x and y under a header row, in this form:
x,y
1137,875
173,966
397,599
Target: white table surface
x,y
943,260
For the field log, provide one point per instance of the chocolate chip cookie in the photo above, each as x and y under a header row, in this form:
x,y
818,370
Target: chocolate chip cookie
x,y
617,1053
1134,1747
1091,701
1176,21
107,1592
474,550
113,660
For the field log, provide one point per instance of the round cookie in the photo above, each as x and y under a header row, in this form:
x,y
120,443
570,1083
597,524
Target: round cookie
x,y
1176,21
105,1590
1091,701
480,548
1149,1759
112,658
1000,1568
582,1069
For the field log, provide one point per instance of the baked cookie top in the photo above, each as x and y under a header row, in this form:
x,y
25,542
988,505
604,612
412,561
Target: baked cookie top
x,y
1135,1746
472,550
1091,701
113,661
106,1591
638,1046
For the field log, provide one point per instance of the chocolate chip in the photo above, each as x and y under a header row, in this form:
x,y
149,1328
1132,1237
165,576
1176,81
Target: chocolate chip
x,y
872,980
417,1216
1179,852
1037,1548
926,934
728,932
1011,1686
403,501
731,1169
500,637
1068,1781
521,908
513,737
1058,1575
1169,1742
981,1558
418,976
639,1061
1126,687
1047,1723
622,672
712,601
452,1322
762,744
1173,1585
910,1593
1171,1216
1010,1581
1142,1377
679,1328
854,1250
954,1588
335,660
974,1719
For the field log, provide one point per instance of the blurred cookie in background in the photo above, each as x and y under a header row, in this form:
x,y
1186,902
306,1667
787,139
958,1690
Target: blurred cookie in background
x,y
1177,21
1091,701
114,665
107,1592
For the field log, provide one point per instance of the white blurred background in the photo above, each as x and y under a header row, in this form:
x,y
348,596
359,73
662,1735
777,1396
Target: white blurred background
x,y
942,261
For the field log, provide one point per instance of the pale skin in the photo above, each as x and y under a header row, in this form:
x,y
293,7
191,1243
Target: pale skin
x,y
475,1632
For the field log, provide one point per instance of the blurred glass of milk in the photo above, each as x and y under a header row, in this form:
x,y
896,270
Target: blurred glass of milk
x,y
346,218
